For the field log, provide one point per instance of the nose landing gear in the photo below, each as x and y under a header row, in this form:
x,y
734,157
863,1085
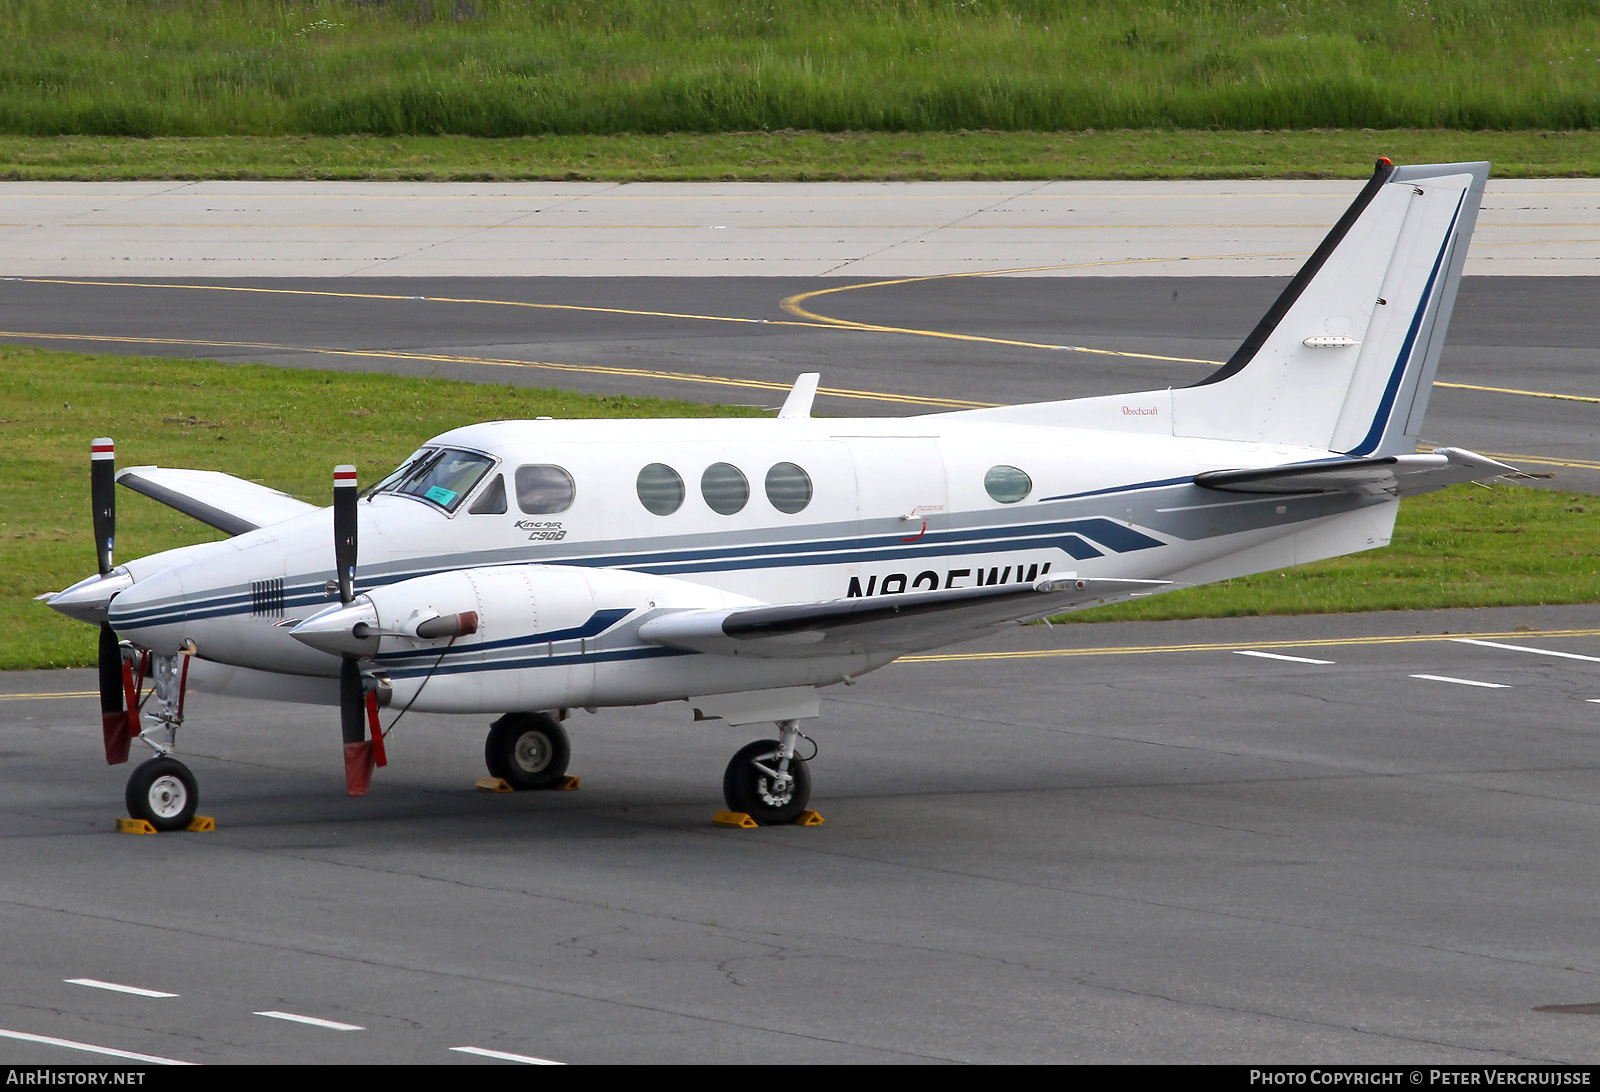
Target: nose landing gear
x,y
162,791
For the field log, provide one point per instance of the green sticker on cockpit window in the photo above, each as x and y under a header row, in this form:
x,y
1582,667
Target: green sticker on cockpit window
x,y
440,495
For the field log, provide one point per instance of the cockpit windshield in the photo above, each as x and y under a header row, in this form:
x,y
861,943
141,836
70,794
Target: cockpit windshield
x,y
443,476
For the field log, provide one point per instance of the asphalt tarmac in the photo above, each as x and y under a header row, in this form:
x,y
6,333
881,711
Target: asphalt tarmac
x,y
1350,839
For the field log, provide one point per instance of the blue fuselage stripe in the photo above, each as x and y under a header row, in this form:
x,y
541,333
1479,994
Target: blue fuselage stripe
x,y
1074,537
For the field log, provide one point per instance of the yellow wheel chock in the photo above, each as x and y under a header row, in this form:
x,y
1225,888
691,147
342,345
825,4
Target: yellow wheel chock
x,y
500,784
200,824
742,821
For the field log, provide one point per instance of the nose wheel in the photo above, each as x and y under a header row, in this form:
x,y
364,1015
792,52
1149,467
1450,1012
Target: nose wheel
x,y
162,792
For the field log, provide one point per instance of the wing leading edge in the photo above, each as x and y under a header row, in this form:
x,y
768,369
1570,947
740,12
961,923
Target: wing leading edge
x,y
906,622
231,505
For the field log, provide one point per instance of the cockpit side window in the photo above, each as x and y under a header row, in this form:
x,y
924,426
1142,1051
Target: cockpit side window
x,y
403,471
492,501
443,477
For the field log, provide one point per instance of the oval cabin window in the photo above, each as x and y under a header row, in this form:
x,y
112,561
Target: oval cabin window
x,y
725,488
542,490
788,488
1007,484
660,489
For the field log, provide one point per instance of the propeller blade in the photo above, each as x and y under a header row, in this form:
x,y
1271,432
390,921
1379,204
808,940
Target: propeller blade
x,y
358,756
360,753
102,497
344,530
114,720
352,701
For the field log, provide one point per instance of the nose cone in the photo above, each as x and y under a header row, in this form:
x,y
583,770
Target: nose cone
x,y
349,630
90,600
152,613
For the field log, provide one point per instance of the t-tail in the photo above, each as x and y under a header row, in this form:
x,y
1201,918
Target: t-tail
x,y
1344,360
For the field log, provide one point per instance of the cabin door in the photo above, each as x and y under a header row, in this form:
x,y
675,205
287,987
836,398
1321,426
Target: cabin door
x,y
901,506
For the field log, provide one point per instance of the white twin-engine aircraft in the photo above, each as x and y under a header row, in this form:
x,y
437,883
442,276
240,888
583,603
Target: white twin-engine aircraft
x,y
526,568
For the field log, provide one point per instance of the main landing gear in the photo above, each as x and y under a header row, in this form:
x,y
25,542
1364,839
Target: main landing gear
x,y
766,779
528,751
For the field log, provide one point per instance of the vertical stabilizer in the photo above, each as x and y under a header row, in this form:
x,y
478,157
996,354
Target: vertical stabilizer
x,y
1345,358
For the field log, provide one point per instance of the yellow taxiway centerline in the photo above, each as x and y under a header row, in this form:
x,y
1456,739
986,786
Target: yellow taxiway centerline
x,y
42,696
588,369
793,305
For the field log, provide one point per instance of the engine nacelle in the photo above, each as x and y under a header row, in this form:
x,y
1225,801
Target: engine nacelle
x,y
507,636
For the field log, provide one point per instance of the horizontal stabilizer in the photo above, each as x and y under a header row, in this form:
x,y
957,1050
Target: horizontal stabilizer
x,y
1392,475
907,622
231,505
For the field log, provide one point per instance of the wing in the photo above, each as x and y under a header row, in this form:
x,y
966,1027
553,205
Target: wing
x,y
1394,475
231,505
907,622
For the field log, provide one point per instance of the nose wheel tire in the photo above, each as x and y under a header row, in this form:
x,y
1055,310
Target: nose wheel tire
x,y
162,792
527,750
749,785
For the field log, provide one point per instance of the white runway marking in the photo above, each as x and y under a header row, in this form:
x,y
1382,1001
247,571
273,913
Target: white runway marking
x,y
116,987
1279,656
504,1057
1525,648
1464,682
110,1052
314,1021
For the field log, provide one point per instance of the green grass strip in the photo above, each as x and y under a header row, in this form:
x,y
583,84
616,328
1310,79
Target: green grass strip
x,y
798,156
1467,546
498,68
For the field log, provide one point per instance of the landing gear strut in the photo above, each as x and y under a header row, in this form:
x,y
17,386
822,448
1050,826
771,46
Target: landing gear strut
x,y
528,751
767,781
162,791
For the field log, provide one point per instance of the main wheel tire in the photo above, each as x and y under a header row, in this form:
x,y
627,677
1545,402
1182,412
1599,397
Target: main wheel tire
x,y
748,789
162,792
527,750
